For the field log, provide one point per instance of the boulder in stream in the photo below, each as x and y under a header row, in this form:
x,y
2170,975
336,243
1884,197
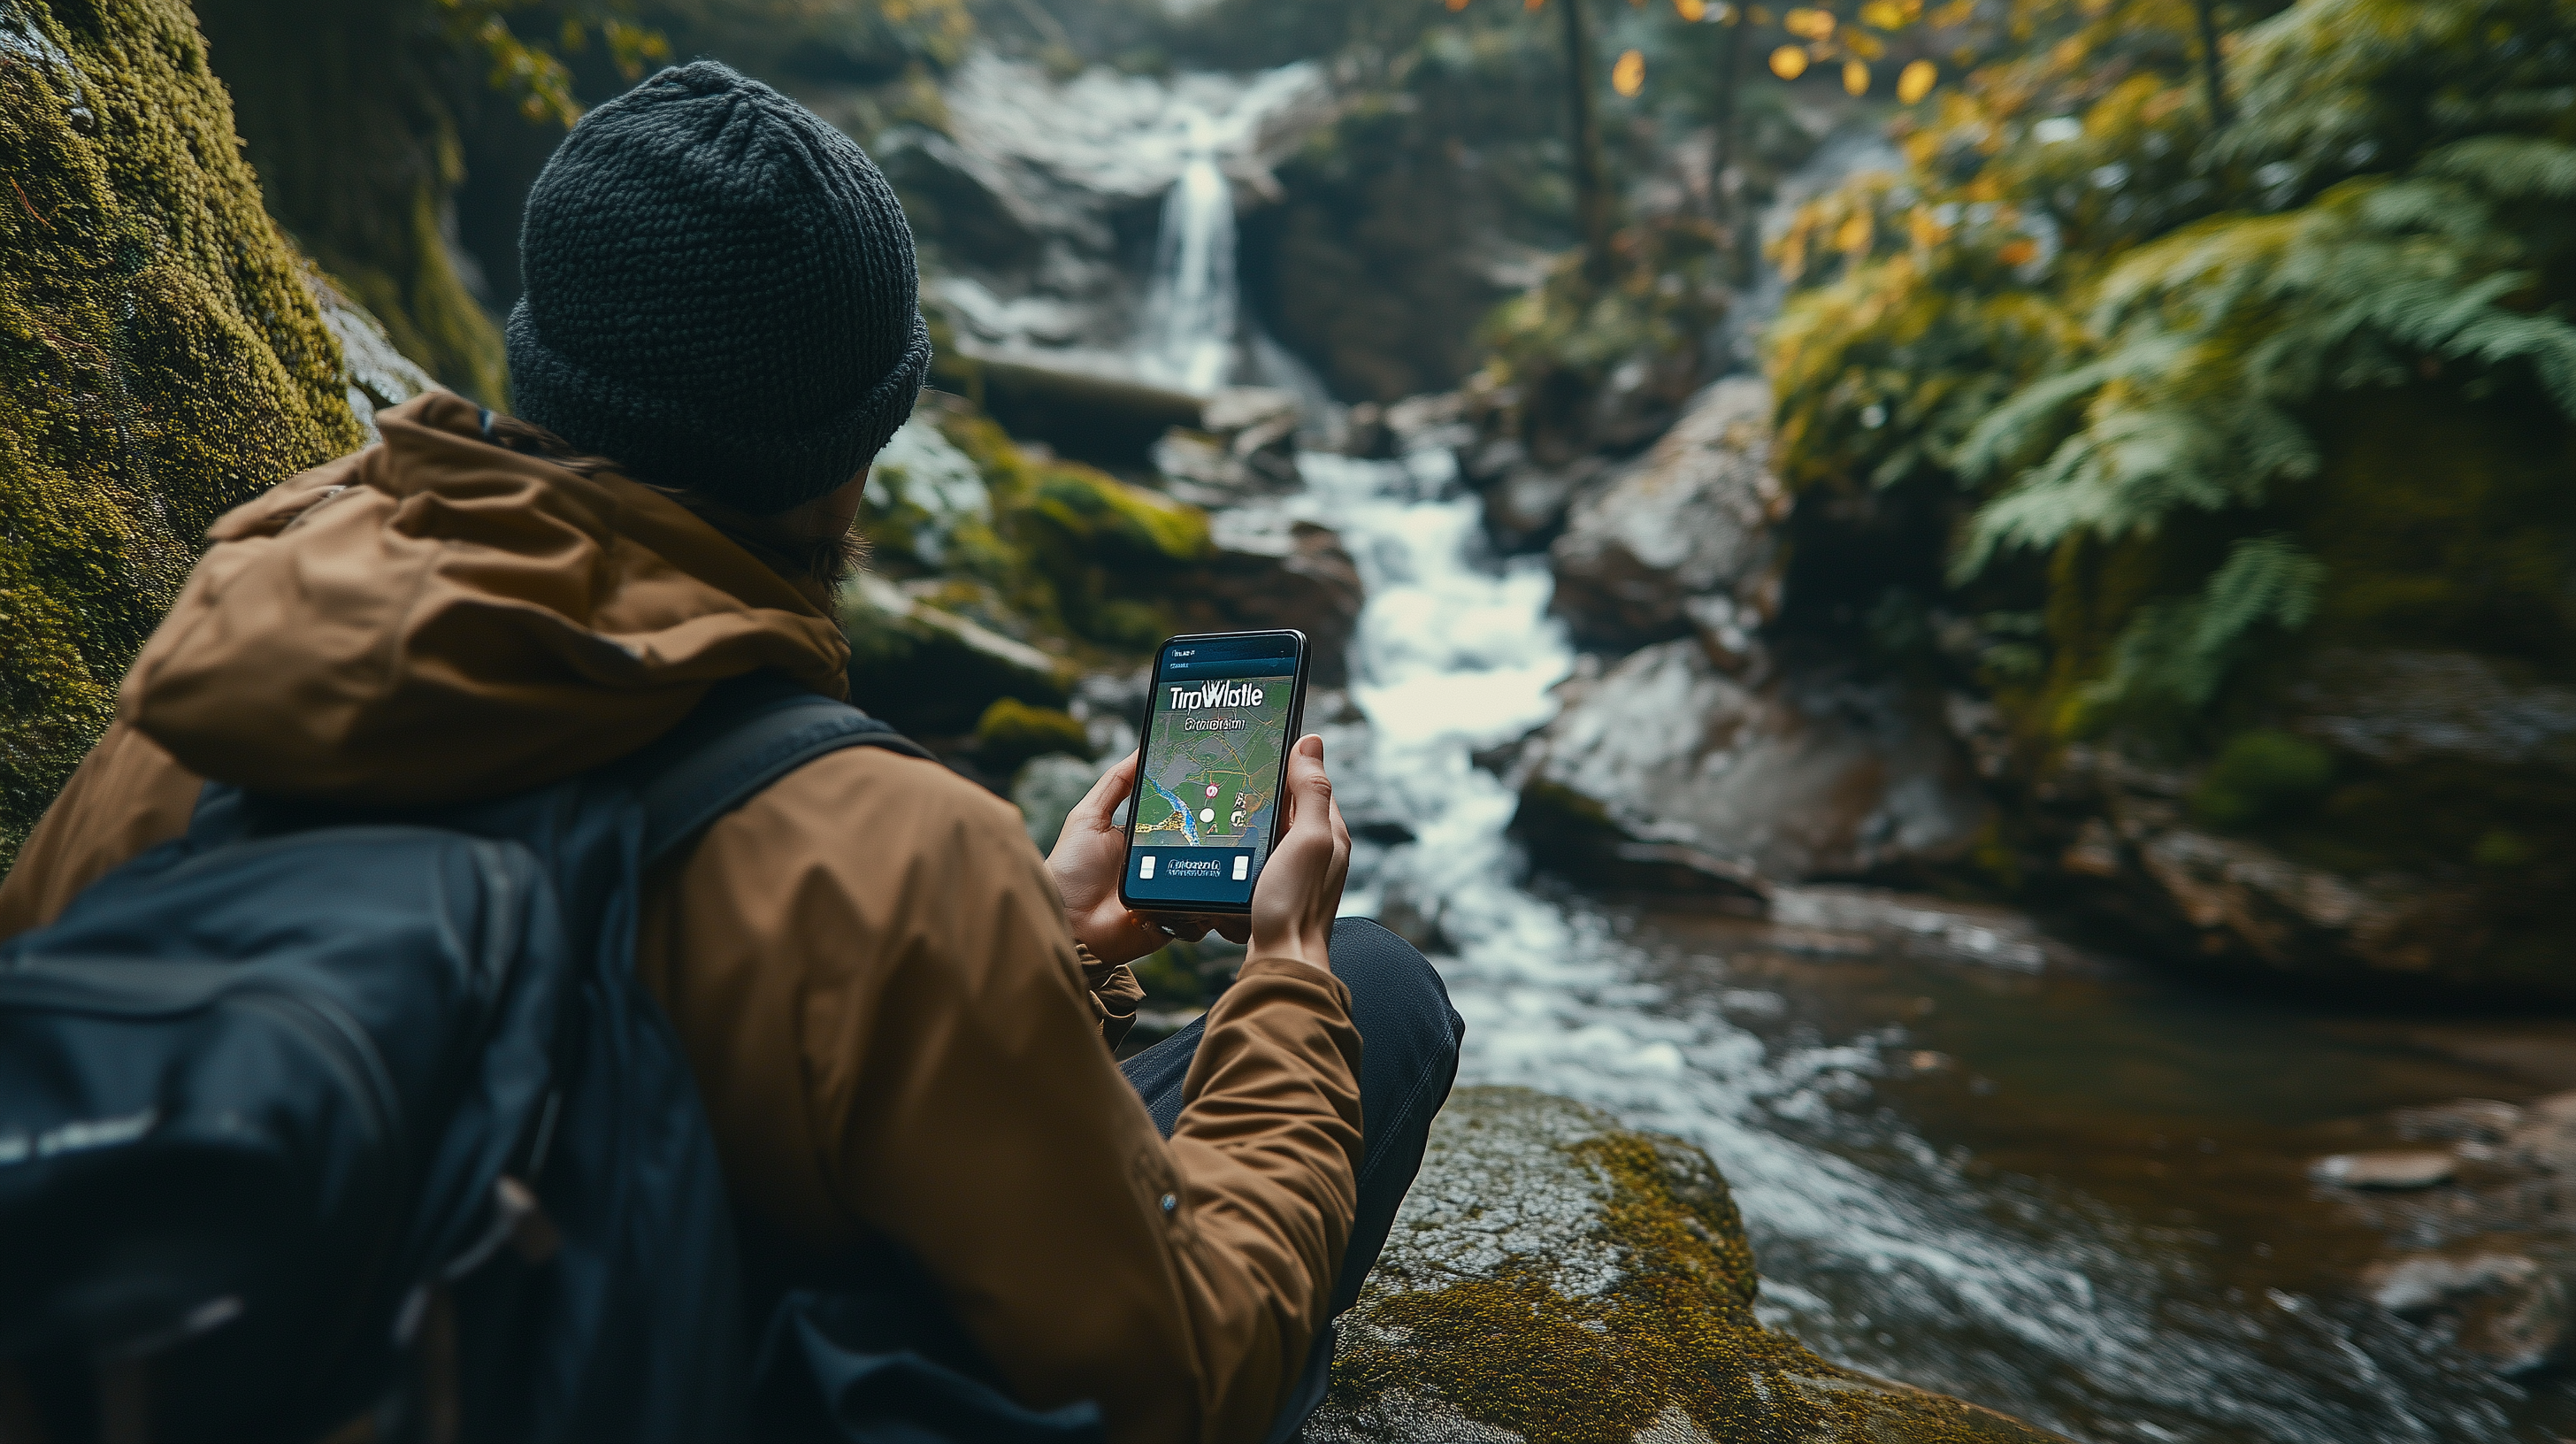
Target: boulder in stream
x,y
1664,770
1691,519
1269,570
1555,1277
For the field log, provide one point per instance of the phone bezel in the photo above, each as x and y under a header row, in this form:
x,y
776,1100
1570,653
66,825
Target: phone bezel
x,y
1278,813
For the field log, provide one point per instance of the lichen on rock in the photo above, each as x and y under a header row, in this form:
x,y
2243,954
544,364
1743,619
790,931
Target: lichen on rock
x,y
1554,1278
160,359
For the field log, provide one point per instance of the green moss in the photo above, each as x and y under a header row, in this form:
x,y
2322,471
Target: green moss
x,y
1676,1330
1011,732
2259,776
347,109
160,362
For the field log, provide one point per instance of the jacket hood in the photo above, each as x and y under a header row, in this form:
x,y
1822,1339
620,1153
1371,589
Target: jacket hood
x,y
437,619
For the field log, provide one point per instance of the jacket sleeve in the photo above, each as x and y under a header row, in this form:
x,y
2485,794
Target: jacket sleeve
x,y
126,796
1115,994
894,1034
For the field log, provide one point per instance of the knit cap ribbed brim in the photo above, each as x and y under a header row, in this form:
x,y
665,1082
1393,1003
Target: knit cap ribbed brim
x,y
720,294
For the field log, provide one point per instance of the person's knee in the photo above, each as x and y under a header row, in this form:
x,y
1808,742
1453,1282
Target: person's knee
x,y
1371,959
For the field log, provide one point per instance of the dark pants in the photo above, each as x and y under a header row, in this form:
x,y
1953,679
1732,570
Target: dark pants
x,y
1409,1036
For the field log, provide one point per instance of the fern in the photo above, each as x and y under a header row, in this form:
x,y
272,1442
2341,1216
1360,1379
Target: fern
x,y
2391,204
2178,653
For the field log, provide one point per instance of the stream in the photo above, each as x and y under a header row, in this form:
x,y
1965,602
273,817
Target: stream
x,y
2061,1186
1971,1156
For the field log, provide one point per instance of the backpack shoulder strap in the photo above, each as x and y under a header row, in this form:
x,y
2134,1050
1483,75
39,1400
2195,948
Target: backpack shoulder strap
x,y
749,732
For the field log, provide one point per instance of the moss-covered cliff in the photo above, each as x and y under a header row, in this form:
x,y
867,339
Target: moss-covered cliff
x,y
160,358
348,111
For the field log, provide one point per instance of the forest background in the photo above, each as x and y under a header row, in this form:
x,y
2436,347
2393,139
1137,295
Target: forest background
x,y
2201,360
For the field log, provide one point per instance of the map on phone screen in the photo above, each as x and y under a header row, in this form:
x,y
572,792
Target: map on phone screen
x,y
1213,759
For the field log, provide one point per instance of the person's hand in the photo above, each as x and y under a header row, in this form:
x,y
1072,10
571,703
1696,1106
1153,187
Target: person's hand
x,y
1089,859
1301,884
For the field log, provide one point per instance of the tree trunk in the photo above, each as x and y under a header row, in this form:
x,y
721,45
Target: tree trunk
x,y
163,361
1591,185
2212,78
1730,88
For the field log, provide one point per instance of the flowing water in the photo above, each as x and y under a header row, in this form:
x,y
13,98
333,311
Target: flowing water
x,y
2070,1192
1190,300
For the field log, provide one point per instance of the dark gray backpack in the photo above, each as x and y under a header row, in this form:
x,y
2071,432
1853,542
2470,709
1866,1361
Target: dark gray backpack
x,y
309,1118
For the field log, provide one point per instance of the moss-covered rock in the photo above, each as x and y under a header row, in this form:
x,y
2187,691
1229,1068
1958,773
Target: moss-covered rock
x,y
349,109
1556,1279
160,359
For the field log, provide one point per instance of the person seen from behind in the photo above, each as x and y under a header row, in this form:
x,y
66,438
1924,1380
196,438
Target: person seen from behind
x,y
899,1016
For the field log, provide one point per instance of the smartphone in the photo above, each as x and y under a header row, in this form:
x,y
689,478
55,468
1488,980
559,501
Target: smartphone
x,y
1225,710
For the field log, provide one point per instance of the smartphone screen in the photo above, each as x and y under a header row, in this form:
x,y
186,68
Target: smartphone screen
x,y
1225,708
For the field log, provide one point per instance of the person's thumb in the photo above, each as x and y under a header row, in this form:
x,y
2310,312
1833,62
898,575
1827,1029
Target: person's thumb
x,y
1310,790
1096,805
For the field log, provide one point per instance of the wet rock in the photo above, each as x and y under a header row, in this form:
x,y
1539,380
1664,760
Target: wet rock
x,y
1664,761
1271,571
2392,1169
2240,904
1046,790
2507,1309
1692,518
1919,926
375,374
2545,1136
1526,504
1554,1276
2491,1254
2470,1120
2404,707
1244,446
933,673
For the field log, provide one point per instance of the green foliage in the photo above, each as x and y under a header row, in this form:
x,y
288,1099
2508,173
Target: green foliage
x,y
1558,343
2261,775
1011,732
2106,321
160,361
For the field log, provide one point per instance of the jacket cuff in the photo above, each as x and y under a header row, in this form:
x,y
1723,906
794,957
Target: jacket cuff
x,y
1114,994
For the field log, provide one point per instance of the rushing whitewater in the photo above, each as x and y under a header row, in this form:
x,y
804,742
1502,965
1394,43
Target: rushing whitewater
x,y
1874,1249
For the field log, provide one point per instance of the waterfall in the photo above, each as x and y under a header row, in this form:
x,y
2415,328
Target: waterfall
x,y
1190,302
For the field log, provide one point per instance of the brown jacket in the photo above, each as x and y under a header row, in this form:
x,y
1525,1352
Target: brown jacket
x,y
868,963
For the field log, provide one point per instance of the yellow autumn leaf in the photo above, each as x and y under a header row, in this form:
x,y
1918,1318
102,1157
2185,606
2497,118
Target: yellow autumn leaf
x,y
1629,75
1855,77
1863,44
1916,81
2018,253
1788,62
1853,236
1885,14
1809,24
1928,230
1690,10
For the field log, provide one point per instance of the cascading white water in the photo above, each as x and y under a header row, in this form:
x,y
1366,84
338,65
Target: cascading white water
x,y
1875,1248
1190,300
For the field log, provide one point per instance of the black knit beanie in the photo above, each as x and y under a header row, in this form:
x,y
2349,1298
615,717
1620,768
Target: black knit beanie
x,y
720,294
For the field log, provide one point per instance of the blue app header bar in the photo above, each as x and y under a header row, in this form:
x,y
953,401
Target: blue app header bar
x,y
1230,657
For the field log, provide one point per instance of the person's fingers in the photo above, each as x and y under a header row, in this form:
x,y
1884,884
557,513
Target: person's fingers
x,y
1093,810
1340,870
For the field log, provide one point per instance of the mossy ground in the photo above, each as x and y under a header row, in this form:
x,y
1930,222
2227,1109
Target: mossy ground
x,y
1674,1329
160,360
